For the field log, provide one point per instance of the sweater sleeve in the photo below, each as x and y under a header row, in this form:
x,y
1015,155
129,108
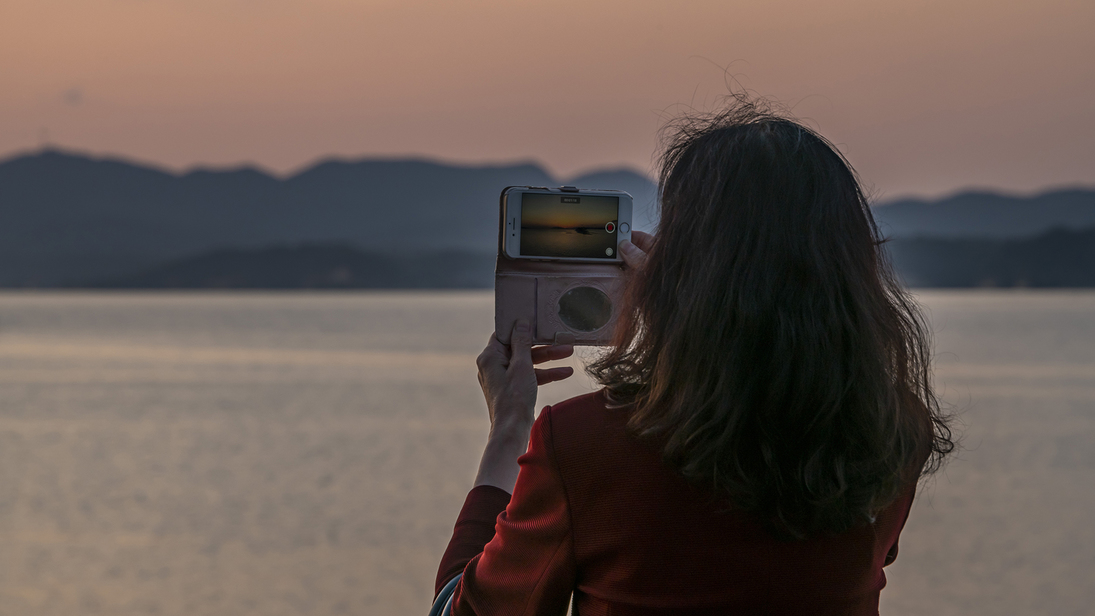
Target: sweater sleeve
x,y
474,528
528,566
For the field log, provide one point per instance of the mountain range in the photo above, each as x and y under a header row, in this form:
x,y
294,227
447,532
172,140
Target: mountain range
x,y
67,219
70,219
1056,258
984,214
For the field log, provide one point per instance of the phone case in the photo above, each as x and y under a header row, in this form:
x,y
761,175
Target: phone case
x,y
566,302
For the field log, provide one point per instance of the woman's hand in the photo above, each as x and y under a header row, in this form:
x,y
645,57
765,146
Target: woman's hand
x,y
509,383
634,252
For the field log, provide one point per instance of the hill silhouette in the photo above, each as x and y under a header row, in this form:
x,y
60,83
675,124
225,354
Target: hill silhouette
x,y
1057,258
987,214
74,220
71,219
316,266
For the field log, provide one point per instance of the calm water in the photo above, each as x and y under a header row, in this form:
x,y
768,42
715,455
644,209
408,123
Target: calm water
x,y
307,454
584,244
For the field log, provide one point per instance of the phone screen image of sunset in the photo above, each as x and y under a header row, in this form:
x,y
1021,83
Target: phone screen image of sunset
x,y
574,226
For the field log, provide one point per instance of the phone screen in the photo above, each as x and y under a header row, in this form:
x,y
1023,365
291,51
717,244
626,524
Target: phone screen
x,y
576,226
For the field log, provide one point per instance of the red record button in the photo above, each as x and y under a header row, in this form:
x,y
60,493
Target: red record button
x,y
610,227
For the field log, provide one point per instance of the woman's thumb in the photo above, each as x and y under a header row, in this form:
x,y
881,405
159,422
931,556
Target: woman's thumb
x,y
521,343
632,255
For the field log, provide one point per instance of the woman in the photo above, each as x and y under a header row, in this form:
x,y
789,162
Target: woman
x,y
765,416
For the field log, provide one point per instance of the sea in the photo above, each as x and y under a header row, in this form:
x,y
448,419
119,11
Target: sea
x,y
584,243
307,453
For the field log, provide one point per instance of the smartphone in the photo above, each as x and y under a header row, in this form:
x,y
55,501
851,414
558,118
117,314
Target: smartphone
x,y
565,224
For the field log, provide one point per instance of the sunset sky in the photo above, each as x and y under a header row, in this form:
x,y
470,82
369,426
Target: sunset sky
x,y
548,211
925,97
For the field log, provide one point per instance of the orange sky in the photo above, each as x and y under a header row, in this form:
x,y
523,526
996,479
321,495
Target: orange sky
x,y
549,211
925,97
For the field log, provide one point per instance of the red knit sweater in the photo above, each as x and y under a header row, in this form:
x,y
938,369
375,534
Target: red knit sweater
x,y
596,513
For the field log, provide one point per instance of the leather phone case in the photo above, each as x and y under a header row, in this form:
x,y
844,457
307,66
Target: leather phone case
x,y
566,302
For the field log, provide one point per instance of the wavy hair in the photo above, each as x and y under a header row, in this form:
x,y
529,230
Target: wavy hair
x,y
766,345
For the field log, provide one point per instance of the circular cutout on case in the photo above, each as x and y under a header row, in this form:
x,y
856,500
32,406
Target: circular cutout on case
x,y
585,309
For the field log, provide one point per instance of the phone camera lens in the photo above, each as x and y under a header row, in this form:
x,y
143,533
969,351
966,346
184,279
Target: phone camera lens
x,y
585,309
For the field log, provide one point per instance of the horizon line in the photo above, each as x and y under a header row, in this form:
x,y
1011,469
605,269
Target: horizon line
x,y
136,161
48,148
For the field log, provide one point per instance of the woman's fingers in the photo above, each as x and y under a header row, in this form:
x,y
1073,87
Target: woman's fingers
x,y
632,255
634,251
551,353
542,354
644,241
493,357
550,375
497,361
520,346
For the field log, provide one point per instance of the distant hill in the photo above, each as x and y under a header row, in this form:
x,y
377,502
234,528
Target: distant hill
x,y
1057,258
70,219
987,215
316,266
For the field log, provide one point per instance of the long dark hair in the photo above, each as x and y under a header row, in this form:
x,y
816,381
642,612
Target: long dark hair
x,y
766,345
